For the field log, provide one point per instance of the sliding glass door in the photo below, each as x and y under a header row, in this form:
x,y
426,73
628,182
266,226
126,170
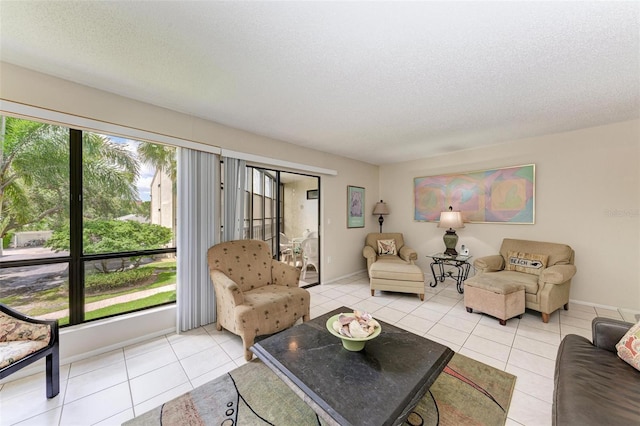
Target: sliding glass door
x,y
299,218
283,209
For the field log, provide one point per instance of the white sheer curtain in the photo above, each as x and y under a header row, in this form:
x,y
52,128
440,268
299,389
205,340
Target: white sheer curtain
x,y
234,189
198,229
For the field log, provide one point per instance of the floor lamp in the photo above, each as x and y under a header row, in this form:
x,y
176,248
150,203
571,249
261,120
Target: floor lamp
x,y
381,209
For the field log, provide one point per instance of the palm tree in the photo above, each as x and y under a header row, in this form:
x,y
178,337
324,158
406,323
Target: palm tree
x,y
161,157
110,173
35,180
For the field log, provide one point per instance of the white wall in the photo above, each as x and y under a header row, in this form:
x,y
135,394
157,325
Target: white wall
x,y
300,214
587,196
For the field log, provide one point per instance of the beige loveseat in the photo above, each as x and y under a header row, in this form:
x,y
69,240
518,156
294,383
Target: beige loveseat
x,y
255,294
545,270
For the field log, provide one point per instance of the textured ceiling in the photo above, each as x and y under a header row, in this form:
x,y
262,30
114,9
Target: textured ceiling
x,y
377,81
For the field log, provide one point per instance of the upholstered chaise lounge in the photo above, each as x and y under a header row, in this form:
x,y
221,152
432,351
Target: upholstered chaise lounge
x,y
403,253
24,340
391,264
544,269
255,294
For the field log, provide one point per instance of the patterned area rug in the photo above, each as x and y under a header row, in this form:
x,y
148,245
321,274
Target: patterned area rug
x,y
467,392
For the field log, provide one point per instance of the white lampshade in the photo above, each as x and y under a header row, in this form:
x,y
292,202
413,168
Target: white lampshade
x,y
451,220
381,208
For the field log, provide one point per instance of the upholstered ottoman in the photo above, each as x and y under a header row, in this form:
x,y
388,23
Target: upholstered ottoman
x,y
500,300
396,276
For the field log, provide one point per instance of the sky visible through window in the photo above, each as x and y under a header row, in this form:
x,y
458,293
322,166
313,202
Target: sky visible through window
x,y
146,171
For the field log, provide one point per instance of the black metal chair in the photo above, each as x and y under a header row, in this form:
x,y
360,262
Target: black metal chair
x,y
51,351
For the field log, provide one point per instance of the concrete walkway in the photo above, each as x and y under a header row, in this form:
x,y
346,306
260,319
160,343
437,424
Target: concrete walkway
x,y
113,301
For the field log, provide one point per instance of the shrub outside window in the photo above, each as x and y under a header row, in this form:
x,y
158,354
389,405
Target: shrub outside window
x,y
87,222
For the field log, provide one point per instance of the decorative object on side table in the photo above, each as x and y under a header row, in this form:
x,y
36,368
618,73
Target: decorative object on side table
x,y
381,209
452,220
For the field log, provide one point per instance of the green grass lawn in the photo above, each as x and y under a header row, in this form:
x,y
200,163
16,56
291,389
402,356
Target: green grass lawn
x,y
56,299
120,308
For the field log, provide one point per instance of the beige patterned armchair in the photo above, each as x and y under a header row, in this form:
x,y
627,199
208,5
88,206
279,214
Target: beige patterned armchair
x,y
255,294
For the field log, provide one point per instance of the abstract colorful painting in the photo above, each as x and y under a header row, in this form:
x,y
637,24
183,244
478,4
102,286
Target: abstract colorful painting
x,y
504,195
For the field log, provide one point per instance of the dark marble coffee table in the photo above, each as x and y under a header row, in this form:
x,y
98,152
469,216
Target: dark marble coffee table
x,y
378,386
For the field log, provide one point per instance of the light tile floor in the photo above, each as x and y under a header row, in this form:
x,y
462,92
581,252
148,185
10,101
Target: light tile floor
x,y
113,387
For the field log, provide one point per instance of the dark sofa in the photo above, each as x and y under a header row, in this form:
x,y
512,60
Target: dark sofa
x,y
593,386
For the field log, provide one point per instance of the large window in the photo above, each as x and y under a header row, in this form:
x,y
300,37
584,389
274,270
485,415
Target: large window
x,y
87,222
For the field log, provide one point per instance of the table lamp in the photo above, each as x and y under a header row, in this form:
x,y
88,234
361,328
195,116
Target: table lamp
x,y
452,220
381,209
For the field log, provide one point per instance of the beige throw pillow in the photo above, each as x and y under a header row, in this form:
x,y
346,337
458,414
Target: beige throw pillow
x,y
530,263
629,347
387,247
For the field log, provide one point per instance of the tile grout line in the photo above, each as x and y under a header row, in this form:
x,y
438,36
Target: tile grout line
x,y
64,397
506,364
126,366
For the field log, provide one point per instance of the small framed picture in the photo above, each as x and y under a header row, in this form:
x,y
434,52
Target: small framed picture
x,y
312,194
355,207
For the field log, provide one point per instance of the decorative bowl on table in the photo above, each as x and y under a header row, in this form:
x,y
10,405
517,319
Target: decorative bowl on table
x,y
358,334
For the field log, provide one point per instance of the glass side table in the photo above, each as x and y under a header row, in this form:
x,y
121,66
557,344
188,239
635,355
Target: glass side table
x,y
459,274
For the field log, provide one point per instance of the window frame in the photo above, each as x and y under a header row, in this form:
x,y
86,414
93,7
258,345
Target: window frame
x,y
77,259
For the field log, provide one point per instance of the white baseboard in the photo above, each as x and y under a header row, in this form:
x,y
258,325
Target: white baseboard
x,y
595,305
119,345
345,276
